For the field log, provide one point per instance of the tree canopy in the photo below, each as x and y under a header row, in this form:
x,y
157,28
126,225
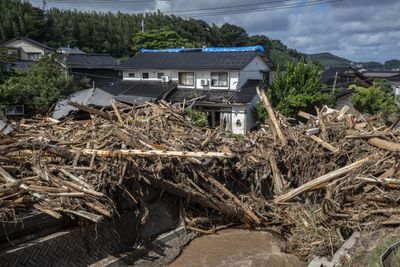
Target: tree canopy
x,y
297,88
117,33
160,38
40,86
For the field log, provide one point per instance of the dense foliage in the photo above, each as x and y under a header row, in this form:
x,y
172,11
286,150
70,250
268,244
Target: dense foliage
x,y
198,118
117,33
298,88
160,38
38,88
375,99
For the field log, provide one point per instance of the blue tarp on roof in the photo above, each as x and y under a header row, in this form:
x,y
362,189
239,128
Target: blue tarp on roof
x,y
255,48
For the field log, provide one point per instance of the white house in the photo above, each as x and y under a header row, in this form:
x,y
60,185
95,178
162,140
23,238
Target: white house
x,y
219,81
25,49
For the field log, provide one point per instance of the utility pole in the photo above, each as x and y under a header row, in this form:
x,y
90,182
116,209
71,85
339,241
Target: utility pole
x,y
143,24
44,3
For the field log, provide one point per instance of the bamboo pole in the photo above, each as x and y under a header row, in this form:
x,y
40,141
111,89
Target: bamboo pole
x,y
271,115
160,153
320,180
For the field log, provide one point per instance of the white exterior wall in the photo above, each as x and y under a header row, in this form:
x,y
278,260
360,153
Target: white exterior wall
x,y
25,48
233,77
253,71
239,115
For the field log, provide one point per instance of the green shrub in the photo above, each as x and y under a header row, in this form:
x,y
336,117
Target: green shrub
x,y
198,118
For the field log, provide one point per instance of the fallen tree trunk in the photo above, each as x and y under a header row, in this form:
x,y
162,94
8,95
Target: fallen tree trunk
x,y
320,180
159,153
271,115
386,145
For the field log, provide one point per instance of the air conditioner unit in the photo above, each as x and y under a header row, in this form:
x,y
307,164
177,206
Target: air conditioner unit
x,y
165,79
204,82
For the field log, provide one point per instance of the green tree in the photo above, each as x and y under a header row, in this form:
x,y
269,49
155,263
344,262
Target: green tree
x,y
233,35
375,99
40,86
159,38
299,88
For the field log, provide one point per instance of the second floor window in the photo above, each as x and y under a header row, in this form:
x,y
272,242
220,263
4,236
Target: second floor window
x,y
160,75
186,78
219,79
145,75
131,75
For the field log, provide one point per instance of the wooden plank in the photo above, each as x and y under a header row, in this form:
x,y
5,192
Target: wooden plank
x,y
324,144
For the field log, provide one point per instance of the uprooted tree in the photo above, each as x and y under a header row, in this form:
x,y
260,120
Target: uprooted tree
x,y
297,88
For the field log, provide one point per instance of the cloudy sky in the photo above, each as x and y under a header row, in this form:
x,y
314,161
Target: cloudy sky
x,y
361,30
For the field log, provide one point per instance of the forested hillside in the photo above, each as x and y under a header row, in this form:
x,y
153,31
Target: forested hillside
x,y
115,33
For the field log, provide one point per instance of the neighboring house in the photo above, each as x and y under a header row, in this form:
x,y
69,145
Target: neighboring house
x,y
392,76
23,48
129,92
219,81
24,52
342,77
101,69
338,80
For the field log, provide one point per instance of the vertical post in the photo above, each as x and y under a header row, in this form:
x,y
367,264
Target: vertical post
x,y
143,24
334,83
44,3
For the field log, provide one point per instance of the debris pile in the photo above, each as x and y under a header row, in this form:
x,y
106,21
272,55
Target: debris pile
x,y
314,183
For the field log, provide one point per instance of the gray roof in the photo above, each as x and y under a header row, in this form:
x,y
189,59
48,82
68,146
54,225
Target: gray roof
x,y
87,61
28,40
244,95
129,91
92,97
381,74
191,60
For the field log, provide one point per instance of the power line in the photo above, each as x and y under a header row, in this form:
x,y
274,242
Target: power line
x,y
253,10
99,1
225,7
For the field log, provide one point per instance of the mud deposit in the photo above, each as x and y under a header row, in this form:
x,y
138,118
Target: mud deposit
x,y
236,248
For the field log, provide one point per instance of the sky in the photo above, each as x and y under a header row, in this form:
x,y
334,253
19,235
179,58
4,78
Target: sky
x,y
360,30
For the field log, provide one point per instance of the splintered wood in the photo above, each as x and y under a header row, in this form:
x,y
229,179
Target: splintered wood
x,y
337,172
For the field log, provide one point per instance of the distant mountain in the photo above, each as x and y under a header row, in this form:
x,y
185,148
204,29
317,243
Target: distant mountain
x,y
329,60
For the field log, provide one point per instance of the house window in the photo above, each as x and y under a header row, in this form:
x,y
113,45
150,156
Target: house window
x,y
160,75
145,75
186,78
131,75
33,56
219,79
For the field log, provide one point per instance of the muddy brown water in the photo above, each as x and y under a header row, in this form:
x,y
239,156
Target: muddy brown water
x,y
236,248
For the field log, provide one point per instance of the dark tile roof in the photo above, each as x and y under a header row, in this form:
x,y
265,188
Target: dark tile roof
x,y
128,91
330,73
244,95
22,64
28,40
190,60
88,61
